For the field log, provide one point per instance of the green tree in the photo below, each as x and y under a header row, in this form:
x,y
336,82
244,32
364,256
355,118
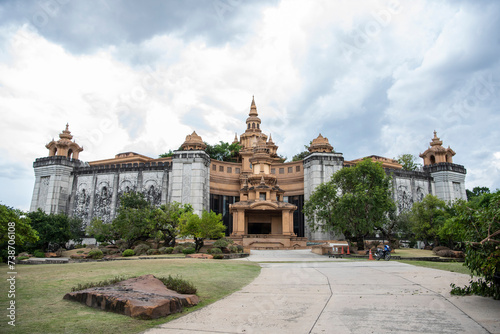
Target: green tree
x,y
19,224
102,231
53,230
166,154
133,220
76,229
354,202
166,221
476,192
300,156
477,224
408,161
223,151
427,219
208,226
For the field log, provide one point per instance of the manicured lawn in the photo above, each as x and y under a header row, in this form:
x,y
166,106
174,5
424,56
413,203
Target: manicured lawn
x,y
457,267
40,290
411,252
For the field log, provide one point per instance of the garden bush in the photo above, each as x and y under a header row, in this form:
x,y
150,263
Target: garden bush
x,y
152,251
95,254
178,284
20,258
218,256
188,244
38,253
178,249
189,250
233,249
214,251
439,248
162,250
128,252
141,249
445,253
169,250
240,248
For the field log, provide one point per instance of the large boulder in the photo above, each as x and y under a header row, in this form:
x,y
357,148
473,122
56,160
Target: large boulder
x,y
144,297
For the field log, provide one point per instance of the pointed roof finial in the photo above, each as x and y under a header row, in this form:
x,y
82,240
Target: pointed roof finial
x,y
253,108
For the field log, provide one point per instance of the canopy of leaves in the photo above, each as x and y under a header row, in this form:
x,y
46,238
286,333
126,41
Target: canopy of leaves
x,y
223,151
53,229
133,221
354,202
166,221
24,232
300,156
427,219
476,192
477,224
208,226
408,161
166,154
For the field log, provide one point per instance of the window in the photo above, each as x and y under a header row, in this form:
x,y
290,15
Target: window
x,y
273,170
257,125
290,170
249,125
221,168
282,171
262,196
214,167
229,169
237,170
253,125
297,168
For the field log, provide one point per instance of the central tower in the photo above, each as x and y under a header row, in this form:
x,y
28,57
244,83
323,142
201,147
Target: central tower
x,y
261,219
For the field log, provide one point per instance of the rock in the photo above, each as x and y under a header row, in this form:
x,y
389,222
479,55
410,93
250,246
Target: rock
x,y
144,297
200,256
51,255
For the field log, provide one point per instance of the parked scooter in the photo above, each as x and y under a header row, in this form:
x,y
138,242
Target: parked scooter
x,y
383,253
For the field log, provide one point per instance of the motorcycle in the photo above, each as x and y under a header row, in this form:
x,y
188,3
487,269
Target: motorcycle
x,y
383,254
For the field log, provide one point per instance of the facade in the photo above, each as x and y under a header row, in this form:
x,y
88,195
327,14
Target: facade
x,y
259,197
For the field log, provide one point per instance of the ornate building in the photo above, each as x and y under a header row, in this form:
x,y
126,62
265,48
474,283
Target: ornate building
x,y
259,197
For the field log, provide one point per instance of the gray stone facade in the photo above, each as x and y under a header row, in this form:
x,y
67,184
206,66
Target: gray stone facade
x,y
77,189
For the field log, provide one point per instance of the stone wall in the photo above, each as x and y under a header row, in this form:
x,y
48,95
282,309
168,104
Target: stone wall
x,y
319,168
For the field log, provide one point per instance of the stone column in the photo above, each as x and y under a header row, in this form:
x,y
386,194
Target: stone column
x,y
318,168
191,179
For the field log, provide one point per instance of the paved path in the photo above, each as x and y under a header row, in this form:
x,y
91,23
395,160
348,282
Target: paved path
x,y
339,296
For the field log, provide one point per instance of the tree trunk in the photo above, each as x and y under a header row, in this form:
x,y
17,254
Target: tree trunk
x,y
198,244
360,242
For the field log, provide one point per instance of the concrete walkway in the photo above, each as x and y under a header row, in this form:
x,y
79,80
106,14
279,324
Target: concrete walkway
x,y
338,296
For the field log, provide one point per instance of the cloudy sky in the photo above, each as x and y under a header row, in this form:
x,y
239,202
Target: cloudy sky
x,y
375,77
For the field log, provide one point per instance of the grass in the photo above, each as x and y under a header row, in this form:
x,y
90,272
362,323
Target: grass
x,y
456,267
40,307
412,252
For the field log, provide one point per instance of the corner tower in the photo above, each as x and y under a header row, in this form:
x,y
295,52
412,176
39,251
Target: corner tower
x,y
448,178
53,175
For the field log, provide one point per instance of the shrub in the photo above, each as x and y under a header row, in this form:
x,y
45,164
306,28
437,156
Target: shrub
x,y
223,243
214,251
445,253
96,254
141,249
89,285
104,244
218,256
188,244
439,248
79,252
20,258
233,249
189,250
178,284
169,250
128,252
240,248
152,251
38,253
162,250
121,244
178,249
